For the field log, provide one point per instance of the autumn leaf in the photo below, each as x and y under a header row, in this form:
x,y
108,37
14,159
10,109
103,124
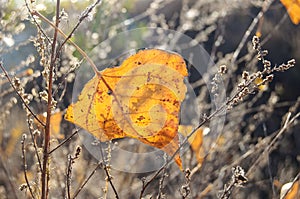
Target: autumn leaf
x,y
259,82
55,121
140,99
196,140
290,190
293,9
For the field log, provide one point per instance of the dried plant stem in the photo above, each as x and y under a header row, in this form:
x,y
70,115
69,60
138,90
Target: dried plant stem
x,y
22,99
205,119
108,176
250,29
89,60
288,123
237,180
100,164
69,176
274,30
63,142
25,166
34,144
45,171
161,184
35,22
84,15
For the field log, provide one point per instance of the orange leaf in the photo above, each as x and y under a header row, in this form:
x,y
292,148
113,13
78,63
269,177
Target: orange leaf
x,y
196,140
140,99
293,8
290,190
261,87
55,121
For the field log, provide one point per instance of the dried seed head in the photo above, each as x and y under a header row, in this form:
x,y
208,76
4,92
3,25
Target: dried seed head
x,y
269,78
239,177
245,75
292,62
16,82
264,53
223,69
255,42
267,63
259,74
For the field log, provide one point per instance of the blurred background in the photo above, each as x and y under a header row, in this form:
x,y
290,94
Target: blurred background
x,y
219,27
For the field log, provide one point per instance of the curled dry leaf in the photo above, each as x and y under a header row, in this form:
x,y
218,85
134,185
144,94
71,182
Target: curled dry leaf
x,y
140,99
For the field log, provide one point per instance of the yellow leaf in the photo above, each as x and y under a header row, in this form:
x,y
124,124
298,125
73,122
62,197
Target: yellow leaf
x,y
293,9
262,87
140,99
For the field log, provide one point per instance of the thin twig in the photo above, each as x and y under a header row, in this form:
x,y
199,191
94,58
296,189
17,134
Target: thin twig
x,y
89,60
84,15
100,164
36,23
25,165
249,30
161,184
34,144
68,176
17,92
63,142
285,127
45,171
205,119
108,176
278,25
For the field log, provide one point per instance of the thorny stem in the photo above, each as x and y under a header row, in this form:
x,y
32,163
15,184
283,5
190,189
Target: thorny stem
x,y
22,99
25,166
45,171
